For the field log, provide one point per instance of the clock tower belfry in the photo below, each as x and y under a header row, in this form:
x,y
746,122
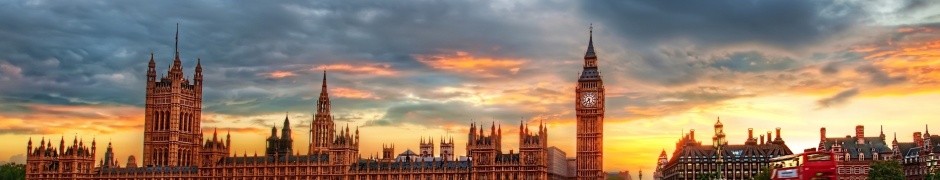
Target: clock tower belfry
x,y
589,106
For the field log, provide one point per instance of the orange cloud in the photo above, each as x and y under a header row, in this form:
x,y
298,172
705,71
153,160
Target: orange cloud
x,y
370,69
57,119
464,62
916,58
279,74
351,93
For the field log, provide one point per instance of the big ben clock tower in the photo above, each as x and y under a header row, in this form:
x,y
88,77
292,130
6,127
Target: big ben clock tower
x,y
589,104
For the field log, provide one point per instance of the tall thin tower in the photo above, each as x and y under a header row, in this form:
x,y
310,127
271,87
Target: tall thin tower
x,y
589,104
322,129
172,129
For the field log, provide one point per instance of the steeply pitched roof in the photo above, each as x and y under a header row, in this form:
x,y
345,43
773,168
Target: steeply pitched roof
x,y
408,152
851,145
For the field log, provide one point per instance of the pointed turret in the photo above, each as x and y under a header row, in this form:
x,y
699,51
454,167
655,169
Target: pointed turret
x,y
198,65
882,133
895,141
228,140
215,134
590,49
521,127
176,70
926,132
273,131
198,77
285,131
590,72
151,69
323,104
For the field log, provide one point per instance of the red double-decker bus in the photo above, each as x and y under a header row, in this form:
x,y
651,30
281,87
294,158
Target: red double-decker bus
x,y
809,165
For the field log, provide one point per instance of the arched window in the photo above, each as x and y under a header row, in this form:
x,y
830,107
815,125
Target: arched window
x,y
166,121
184,122
155,120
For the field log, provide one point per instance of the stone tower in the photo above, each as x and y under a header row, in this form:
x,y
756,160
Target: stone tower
x,y
447,149
322,130
427,148
533,145
589,106
172,129
388,152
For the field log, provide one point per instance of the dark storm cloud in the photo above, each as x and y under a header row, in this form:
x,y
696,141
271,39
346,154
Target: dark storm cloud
x,y
786,24
838,99
97,52
754,61
671,42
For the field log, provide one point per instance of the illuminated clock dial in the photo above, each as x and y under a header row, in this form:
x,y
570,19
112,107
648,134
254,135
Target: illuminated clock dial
x,y
588,99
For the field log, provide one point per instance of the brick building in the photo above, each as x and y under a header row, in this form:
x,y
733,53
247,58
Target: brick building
x,y
691,159
855,153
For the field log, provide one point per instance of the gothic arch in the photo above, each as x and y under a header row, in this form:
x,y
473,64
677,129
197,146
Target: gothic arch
x,y
155,120
166,120
184,122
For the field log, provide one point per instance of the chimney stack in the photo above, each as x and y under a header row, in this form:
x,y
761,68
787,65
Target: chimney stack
x,y
918,139
750,134
822,133
860,134
692,134
778,135
762,139
768,137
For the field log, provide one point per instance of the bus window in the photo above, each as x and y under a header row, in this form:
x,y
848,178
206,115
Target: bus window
x,y
818,157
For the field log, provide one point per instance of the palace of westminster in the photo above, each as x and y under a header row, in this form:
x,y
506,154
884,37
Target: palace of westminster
x,y
175,146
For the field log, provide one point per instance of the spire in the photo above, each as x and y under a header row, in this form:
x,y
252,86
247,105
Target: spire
x,y
323,104
926,131
590,50
273,130
882,133
152,63
895,137
324,80
177,45
176,70
286,121
198,65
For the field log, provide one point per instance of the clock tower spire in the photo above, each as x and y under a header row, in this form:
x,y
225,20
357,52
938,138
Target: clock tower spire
x,y
589,107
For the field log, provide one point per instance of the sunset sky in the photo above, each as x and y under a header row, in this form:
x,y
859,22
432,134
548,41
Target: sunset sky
x,y
407,69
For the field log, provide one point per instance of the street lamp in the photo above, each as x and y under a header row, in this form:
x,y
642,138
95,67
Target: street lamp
x,y
718,142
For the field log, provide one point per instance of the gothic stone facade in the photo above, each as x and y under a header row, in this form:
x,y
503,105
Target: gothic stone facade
x,y
174,146
739,161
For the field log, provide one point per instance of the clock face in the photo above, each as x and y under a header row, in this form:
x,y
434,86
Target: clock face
x,y
588,99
